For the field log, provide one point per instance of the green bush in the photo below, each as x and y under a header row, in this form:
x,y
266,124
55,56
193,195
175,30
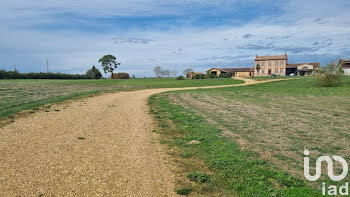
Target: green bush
x,y
184,191
225,75
180,78
200,76
198,177
93,73
330,76
211,75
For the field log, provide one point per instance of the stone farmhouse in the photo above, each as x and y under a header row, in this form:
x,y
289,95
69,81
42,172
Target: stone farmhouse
x,y
270,65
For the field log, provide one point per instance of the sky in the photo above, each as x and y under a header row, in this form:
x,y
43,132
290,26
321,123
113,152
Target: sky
x,y
173,34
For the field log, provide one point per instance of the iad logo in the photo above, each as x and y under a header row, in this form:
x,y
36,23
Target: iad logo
x,y
332,189
330,167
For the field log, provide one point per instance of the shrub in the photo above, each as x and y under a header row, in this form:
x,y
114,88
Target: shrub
x,y
200,76
330,76
120,76
198,177
93,73
180,78
184,191
225,75
211,75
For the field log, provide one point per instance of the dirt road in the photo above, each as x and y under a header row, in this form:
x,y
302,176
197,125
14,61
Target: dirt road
x,y
99,146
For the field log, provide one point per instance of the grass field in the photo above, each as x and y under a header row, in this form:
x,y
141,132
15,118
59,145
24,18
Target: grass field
x,y
18,95
253,137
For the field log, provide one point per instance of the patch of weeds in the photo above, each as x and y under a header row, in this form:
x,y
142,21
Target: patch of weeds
x,y
81,138
154,131
184,191
56,110
198,177
31,112
336,114
186,154
164,126
47,110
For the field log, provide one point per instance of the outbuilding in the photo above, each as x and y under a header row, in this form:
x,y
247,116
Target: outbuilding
x,y
345,64
234,72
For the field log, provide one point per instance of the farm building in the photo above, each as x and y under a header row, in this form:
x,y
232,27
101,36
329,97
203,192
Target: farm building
x,y
189,75
275,65
271,65
278,64
345,64
302,69
234,72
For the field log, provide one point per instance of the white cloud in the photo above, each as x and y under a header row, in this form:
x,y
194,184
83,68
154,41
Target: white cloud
x,y
296,32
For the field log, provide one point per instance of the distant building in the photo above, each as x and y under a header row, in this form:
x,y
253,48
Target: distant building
x,y
278,64
234,72
302,69
345,64
189,75
274,65
271,65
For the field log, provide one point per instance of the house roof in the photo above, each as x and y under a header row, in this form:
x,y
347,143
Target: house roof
x,y
316,64
231,70
346,61
273,57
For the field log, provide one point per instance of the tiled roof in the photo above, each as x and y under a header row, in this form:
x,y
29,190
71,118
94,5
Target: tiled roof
x,y
231,70
273,57
316,64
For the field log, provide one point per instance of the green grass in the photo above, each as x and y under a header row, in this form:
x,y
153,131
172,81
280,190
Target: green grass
x,y
253,137
19,95
235,172
269,77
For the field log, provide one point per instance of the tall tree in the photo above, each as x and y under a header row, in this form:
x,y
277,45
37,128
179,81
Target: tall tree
x,y
93,73
162,73
188,70
157,70
173,72
109,63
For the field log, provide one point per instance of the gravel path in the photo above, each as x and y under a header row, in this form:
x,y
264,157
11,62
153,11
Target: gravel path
x,y
99,146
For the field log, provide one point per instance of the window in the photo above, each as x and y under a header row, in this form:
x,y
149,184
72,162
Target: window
x,y
269,63
263,64
263,71
282,63
276,63
281,70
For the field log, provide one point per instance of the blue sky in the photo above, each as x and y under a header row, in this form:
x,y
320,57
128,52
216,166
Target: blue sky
x,y
142,34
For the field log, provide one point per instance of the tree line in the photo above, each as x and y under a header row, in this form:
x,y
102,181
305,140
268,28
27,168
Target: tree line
x,y
92,73
108,63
